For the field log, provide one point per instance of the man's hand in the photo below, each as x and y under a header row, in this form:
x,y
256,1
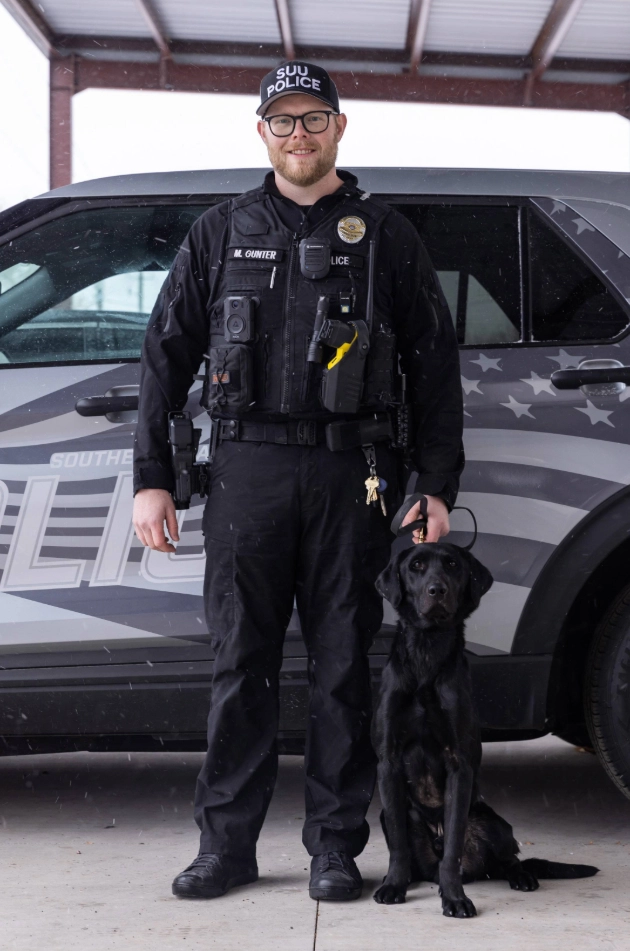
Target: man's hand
x,y
151,508
437,519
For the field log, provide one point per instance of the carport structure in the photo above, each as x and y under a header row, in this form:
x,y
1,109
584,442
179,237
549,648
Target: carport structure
x,y
558,54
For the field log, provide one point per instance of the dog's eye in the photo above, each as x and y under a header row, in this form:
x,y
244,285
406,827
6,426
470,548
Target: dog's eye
x,y
452,564
418,565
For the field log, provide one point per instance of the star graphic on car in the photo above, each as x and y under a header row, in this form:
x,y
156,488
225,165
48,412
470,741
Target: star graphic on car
x,y
539,383
582,225
565,360
486,363
558,206
595,415
519,409
471,386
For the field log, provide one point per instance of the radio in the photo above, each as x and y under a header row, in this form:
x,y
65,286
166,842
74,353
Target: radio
x,y
314,258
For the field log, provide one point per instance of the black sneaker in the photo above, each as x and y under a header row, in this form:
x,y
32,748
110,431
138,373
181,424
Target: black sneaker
x,y
212,875
334,877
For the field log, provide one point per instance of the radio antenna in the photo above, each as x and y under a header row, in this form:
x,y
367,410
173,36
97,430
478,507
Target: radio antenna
x,y
369,307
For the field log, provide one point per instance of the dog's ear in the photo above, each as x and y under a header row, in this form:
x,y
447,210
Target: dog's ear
x,y
479,581
389,582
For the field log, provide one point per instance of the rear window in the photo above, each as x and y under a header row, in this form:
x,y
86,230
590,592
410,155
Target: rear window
x,y
475,251
568,300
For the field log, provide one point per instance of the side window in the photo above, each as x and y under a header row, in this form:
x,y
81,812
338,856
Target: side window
x,y
569,301
475,250
81,288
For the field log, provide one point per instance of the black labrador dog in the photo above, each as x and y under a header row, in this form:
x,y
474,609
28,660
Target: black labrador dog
x,y
427,739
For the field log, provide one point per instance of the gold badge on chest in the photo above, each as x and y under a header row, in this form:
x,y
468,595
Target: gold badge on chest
x,y
351,229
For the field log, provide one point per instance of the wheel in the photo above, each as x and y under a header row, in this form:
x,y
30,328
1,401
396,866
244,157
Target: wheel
x,y
607,692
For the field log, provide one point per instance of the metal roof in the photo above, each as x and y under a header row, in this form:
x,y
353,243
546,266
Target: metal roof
x,y
339,31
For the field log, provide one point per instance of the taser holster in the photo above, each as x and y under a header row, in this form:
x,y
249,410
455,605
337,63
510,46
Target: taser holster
x,y
342,381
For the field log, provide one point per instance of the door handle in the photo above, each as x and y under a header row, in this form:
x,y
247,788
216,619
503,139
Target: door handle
x,y
102,405
574,379
119,404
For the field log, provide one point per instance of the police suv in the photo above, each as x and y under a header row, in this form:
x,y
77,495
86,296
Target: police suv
x,y
103,644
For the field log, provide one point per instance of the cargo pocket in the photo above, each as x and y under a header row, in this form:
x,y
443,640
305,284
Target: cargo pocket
x,y
219,590
229,380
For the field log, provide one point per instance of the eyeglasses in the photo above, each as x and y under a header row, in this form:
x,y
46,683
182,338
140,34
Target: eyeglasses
x,y
316,122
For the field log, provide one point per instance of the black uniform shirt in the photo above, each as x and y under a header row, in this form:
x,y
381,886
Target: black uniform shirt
x,y
178,332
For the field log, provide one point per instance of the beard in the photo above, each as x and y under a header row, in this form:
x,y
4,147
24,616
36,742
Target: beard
x,y
305,176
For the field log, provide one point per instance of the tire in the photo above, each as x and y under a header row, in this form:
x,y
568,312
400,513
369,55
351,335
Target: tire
x,y
607,692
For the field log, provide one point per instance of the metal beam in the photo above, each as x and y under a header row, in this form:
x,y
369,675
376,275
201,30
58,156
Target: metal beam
x,y
418,23
286,31
548,42
33,24
610,97
269,53
62,88
159,36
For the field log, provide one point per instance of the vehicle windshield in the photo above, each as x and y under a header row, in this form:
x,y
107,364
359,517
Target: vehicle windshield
x,y
82,287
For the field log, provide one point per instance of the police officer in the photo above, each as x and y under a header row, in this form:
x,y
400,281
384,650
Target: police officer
x,y
305,429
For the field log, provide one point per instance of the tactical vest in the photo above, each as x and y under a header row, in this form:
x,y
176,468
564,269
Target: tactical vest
x,y
269,374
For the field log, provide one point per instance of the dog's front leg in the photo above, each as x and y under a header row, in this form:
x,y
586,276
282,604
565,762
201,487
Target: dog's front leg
x,y
393,790
459,783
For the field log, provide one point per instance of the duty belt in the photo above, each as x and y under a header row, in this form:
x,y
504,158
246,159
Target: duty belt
x,y
299,432
338,435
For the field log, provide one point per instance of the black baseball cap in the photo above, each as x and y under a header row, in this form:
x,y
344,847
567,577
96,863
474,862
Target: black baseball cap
x,y
295,77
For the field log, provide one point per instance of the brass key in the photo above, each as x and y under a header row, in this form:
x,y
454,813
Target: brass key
x,y
371,485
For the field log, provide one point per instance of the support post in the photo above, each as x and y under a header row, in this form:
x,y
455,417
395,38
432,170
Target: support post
x,y
62,86
550,38
417,31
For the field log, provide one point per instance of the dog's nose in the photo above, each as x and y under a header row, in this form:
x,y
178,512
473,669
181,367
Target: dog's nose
x,y
436,590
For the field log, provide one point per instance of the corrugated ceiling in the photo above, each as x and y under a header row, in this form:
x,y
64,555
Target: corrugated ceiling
x,y
601,29
95,17
247,21
364,23
485,26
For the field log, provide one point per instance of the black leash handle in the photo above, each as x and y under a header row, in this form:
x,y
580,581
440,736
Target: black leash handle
x,y
407,505
421,522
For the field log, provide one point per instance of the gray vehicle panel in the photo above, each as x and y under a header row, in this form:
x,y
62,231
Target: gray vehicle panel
x,y
608,186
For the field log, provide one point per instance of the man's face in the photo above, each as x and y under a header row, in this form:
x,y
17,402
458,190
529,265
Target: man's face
x,y
302,158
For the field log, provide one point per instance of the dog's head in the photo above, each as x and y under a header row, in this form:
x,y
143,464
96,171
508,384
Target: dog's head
x,y
438,583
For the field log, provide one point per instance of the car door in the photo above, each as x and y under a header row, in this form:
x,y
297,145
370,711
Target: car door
x,y
533,288
77,590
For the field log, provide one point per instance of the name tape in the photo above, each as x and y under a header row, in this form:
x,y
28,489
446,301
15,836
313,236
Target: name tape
x,y
255,254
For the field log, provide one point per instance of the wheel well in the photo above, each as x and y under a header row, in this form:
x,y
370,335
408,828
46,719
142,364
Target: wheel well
x,y
565,705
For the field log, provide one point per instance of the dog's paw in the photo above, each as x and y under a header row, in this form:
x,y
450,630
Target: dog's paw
x,y
522,881
458,908
390,894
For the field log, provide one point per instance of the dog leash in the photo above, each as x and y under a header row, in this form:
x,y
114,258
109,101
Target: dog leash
x,y
420,524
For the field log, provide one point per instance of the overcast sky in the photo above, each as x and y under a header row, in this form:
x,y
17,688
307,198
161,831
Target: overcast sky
x,y
119,131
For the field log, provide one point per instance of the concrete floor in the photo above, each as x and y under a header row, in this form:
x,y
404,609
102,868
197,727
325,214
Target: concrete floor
x,y
90,843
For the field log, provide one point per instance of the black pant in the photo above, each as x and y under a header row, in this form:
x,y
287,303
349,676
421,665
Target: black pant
x,y
285,523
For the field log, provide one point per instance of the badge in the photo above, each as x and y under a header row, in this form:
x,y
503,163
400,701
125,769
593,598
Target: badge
x,y
351,229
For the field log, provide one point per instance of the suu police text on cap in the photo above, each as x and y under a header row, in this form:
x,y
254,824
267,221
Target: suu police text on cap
x,y
297,77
